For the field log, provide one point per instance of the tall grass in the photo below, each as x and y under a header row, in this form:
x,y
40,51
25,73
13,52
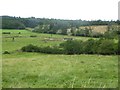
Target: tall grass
x,y
59,71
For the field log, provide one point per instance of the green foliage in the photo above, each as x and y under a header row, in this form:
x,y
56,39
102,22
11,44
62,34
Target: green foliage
x,y
33,35
5,32
12,23
30,48
107,47
51,50
72,47
41,29
102,46
112,32
110,35
59,26
48,49
96,34
6,52
88,46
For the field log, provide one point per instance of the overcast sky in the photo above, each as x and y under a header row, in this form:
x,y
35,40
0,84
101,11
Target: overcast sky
x,y
61,9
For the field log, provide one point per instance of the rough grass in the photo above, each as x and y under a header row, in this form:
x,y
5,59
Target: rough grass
x,y
23,70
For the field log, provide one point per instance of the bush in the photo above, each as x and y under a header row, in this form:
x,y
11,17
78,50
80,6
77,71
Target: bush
x,y
6,52
88,46
51,50
48,49
107,47
72,47
33,36
97,35
101,46
119,45
19,33
30,48
5,32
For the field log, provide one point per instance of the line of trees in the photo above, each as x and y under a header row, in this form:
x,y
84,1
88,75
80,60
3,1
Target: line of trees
x,y
59,26
9,22
63,28
91,46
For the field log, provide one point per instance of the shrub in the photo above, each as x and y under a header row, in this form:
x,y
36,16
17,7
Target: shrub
x,y
88,46
48,49
107,47
6,52
33,35
101,46
51,50
30,48
5,32
97,35
19,33
72,47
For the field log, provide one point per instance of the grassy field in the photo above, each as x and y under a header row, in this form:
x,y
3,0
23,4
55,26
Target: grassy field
x,y
68,71
36,70
25,39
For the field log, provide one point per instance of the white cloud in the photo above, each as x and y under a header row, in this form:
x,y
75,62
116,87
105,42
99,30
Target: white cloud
x,y
63,9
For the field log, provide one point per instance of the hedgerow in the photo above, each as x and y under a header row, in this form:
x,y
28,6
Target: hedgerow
x,y
91,46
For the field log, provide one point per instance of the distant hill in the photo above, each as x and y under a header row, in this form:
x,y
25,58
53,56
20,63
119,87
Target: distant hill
x,y
10,22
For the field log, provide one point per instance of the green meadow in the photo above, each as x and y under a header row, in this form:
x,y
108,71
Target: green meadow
x,y
38,70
